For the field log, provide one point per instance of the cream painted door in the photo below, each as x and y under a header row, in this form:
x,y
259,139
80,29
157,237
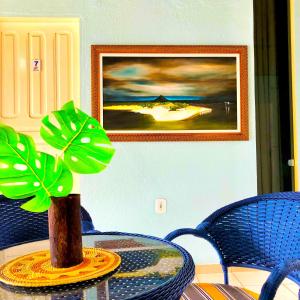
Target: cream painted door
x,y
39,69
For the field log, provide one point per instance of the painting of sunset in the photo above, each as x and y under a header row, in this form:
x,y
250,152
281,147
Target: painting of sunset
x,y
170,93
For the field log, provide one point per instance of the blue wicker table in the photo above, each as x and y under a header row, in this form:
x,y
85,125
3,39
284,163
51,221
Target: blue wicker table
x,y
151,268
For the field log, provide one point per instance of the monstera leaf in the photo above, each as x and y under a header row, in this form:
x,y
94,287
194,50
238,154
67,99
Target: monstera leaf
x,y
24,172
85,146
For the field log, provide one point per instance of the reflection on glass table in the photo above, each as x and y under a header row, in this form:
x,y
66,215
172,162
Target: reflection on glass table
x,y
151,268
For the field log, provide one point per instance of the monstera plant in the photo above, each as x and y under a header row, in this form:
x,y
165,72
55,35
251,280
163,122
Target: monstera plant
x,y
25,172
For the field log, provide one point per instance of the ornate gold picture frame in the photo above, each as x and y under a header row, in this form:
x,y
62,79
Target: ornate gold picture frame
x,y
170,93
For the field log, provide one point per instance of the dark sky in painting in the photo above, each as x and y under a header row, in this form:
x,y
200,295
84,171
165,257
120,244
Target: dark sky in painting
x,y
208,77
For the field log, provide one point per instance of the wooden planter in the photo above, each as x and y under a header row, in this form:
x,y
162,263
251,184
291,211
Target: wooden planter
x,y
65,231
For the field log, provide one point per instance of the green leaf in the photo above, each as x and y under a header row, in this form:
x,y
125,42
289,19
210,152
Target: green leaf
x,y
85,145
25,172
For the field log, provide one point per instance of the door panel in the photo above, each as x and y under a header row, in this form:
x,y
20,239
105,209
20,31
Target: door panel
x,y
38,97
10,75
39,69
63,61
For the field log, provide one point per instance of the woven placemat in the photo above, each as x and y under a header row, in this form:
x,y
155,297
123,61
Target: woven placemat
x,y
35,269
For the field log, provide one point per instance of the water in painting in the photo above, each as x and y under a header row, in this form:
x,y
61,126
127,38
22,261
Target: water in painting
x,y
169,93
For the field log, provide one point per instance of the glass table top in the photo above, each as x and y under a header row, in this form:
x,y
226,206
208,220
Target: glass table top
x,y
147,263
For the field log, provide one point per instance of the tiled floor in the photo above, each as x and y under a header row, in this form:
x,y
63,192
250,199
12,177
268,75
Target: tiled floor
x,y
248,278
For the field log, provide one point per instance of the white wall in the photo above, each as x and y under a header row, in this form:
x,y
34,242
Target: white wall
x,y
196,178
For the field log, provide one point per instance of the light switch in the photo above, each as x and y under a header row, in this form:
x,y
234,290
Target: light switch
x,y
161,206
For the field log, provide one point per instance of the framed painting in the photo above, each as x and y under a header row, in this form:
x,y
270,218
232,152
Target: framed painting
x,y
170,93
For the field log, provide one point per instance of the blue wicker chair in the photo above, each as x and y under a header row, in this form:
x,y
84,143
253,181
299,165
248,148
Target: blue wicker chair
x,y
18,225
261,232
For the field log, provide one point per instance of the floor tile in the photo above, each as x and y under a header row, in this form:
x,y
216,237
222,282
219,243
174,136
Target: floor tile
x,y
218,278
252,278
249,278
240,269
282,294
208,269
292,286
216,268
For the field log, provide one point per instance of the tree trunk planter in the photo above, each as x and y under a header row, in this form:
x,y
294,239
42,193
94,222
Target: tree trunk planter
x,y
65,231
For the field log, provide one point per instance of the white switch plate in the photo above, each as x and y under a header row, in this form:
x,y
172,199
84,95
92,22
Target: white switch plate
x,y
161,206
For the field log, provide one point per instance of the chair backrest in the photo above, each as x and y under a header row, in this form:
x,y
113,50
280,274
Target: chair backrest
x,y
18,225
261,231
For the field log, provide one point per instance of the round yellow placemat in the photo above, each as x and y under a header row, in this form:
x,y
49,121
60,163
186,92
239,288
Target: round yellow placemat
x,y
35,269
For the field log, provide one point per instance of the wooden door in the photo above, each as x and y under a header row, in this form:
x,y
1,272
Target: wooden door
x,y
39,69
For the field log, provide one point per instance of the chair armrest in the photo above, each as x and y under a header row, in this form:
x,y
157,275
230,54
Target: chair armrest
x,y
278,274
182,231
201,232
